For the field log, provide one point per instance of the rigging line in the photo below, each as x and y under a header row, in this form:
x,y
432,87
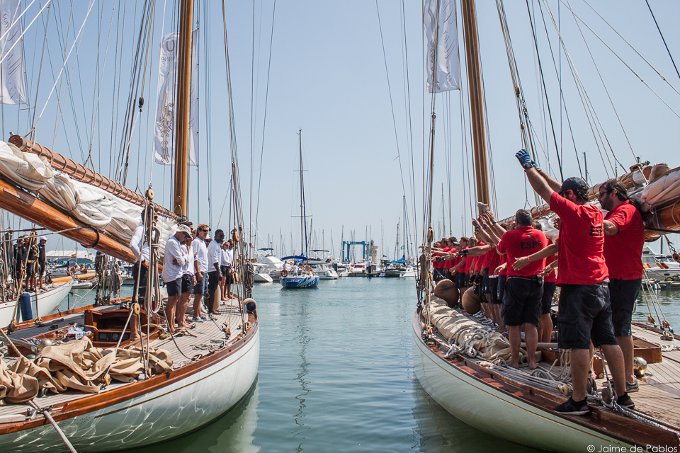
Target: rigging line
x,y
662,38
585,100
264,120
563,106
389,90
20,40
659,97
585,97
80,80
606,90
252,120
89,10
16,19
61,41
558,151
40,66
408,111
639,54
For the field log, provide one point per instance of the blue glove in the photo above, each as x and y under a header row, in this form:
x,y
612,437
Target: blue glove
x,y
524,159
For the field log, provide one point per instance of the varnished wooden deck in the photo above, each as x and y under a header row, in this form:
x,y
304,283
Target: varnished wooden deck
x,y
203,339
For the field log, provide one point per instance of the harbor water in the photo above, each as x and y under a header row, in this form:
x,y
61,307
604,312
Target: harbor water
x,y
336,375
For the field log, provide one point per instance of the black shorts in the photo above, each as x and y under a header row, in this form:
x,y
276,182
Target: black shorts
x,y
224,269
201,286
187,283
459,280
493,290
30,269
485,281
585,315
546,300
174,287
501,287
623,294
522,300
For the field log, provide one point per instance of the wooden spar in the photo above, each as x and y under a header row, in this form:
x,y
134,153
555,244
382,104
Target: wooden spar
x,y
31,208
84,174
476,100
186,12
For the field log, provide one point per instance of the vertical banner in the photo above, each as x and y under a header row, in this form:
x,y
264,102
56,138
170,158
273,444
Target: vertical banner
x,y
12,88
440,22
164,132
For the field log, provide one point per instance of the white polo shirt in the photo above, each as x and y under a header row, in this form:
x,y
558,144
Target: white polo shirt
x,y
174,251
200,254
214,255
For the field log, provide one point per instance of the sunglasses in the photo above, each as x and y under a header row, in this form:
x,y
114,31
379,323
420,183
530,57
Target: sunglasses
x,y
602,194
203,231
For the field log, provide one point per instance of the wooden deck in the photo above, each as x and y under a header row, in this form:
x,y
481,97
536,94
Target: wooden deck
x,y
205,338
659,394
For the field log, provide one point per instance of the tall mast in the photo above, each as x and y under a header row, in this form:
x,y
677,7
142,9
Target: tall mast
x,y
476,100
303,214
183,106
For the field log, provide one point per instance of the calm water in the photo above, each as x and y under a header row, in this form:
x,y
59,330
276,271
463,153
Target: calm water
x,y
336,375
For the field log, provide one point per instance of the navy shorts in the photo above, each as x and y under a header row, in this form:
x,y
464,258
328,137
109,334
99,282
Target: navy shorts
x,y
485,281
522,300
548,293
623,294
585,314
501,288
187,283
201,286
174,287
493,290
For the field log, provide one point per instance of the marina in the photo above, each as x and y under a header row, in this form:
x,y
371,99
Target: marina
x,y
180,270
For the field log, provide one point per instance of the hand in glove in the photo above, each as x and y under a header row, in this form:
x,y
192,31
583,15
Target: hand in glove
x,y
524,159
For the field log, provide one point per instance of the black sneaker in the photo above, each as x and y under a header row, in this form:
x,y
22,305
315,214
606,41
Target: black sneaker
x,y
571,407
625,401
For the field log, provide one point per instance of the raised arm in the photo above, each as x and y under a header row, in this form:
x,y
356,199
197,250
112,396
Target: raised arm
x,y
540,185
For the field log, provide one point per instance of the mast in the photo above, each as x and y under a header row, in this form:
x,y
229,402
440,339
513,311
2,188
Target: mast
x,y
303,211
476,100
183,103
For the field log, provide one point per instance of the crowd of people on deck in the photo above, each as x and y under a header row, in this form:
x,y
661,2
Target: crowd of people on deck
x,y
594,260
30,261
194,264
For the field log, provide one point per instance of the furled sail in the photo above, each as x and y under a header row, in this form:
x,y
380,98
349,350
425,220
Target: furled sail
x,y
60,202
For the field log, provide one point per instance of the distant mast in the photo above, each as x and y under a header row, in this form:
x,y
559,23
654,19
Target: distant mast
x,y
476,100
183,105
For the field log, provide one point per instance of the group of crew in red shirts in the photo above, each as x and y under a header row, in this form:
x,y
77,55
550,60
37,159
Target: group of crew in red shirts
x,y
596,262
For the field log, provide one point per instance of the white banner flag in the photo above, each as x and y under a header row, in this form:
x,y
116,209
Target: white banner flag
x,y
164,134
441,31
12,88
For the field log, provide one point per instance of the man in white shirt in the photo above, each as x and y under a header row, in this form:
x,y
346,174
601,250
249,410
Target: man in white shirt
x,y
140,248
175,258
227,263
214,270
188,283
200,269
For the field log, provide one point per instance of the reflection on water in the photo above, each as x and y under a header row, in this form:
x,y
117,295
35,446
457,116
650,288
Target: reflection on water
x,y
232,432
302,372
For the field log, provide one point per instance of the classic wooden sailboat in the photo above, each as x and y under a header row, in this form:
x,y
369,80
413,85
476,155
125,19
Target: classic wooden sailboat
x,y
177,383
460,360
300,274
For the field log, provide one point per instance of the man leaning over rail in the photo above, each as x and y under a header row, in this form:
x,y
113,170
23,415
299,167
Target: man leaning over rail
x,y
584,309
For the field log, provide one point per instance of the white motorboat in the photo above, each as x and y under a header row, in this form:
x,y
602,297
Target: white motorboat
x,y
660,267
323,270
42,303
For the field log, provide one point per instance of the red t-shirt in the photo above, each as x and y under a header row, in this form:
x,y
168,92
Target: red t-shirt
x,y
623,251
523,241
581,245
468,262
552,276
448,264
495,260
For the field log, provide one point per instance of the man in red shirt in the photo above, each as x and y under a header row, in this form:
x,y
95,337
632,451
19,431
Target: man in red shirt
x,y
624,237
584,310
524,287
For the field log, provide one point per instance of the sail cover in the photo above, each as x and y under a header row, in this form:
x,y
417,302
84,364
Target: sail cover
x,y
12,88
441,30
164,134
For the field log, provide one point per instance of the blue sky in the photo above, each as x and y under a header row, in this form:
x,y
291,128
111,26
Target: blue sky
x,y
328,78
